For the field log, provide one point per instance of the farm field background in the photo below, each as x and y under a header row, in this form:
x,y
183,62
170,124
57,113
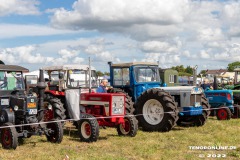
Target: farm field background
x,y
146,145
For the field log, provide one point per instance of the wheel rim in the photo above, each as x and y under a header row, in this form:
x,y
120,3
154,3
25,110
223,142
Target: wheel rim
x,y
153,111
6,137
48,114
222,114
86,129
125,128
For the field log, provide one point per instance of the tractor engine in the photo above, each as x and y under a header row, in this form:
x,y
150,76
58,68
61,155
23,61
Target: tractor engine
x,y
104,105
25,108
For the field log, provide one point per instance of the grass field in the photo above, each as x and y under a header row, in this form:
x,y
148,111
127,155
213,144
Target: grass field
x,y
171,145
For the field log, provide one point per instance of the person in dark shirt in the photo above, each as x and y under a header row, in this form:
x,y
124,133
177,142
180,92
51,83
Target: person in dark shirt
x,y
103,86
206,85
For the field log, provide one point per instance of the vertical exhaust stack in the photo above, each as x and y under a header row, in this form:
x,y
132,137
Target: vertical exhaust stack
x,y
215,85
41,88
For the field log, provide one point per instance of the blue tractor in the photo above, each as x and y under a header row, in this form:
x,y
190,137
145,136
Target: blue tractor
x,y
158,108
221,102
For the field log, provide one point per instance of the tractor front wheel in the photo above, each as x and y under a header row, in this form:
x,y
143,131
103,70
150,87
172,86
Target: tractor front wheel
x,y
55,132
88,128
224,114
156,110
129,128
9,137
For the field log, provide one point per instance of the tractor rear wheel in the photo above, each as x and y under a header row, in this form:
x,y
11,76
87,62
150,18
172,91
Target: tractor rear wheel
x,y
55,132
236,113
129,103
9,138
130,126
224,114
57,112
199,120
156,110
88,128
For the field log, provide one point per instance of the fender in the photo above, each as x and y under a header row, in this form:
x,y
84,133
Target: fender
x,y
7,116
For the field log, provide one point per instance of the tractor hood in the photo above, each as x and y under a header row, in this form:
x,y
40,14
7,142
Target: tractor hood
x,y
192,89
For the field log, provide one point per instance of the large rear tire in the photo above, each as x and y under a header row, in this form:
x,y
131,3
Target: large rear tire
x,y
9,138
88,128
57,112
129,103
129,128
156,110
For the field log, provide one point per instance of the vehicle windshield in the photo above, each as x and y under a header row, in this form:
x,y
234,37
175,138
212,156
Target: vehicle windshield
x,y
146,74
10,80
80,78
31,79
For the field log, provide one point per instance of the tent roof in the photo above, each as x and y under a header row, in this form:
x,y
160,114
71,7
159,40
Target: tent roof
x,y
67,67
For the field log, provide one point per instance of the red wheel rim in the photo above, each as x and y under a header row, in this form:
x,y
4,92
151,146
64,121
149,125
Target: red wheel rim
x,y
6,137
126,126
48,115
222,114
87,129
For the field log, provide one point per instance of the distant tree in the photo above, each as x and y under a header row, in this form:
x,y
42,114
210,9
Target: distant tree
x,y
99,74
179,68
107,73
1,62
231,66
203,72
189,70
184,74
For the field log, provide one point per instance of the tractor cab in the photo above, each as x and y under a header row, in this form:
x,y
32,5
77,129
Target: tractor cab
x,y
134,78
11,78
70,76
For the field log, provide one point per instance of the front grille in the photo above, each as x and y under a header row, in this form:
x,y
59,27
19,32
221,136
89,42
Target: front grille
x,y
195,98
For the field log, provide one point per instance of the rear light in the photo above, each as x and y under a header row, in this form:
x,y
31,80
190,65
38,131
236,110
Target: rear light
x,y
229,96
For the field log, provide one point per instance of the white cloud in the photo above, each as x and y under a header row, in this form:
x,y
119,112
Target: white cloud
x,y
67,53
164,60
19,30
20,7
135,18
157,46
23,54
204,54
94,49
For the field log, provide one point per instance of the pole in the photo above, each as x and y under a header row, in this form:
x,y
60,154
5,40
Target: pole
x,y
90,85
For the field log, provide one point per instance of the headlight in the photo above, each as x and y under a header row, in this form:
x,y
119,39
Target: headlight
x,y
49,107
15,108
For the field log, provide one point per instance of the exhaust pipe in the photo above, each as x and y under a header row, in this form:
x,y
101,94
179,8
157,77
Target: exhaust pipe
x,y
41,88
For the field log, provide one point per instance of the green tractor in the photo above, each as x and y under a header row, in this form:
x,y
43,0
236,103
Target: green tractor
x,y
236,86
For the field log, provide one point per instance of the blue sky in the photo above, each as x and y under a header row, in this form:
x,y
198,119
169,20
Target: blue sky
x,y
36,33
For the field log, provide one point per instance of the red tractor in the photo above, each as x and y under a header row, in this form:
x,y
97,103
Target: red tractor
x,y
70,93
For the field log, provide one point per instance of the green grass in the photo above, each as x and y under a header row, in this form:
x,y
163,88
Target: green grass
x,y
146,145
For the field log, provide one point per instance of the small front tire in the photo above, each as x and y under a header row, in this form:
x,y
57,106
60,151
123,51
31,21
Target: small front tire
x,y
55,134
88,128
129,128
9,138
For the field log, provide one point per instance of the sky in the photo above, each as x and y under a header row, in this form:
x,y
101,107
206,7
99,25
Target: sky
x,y
37,33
